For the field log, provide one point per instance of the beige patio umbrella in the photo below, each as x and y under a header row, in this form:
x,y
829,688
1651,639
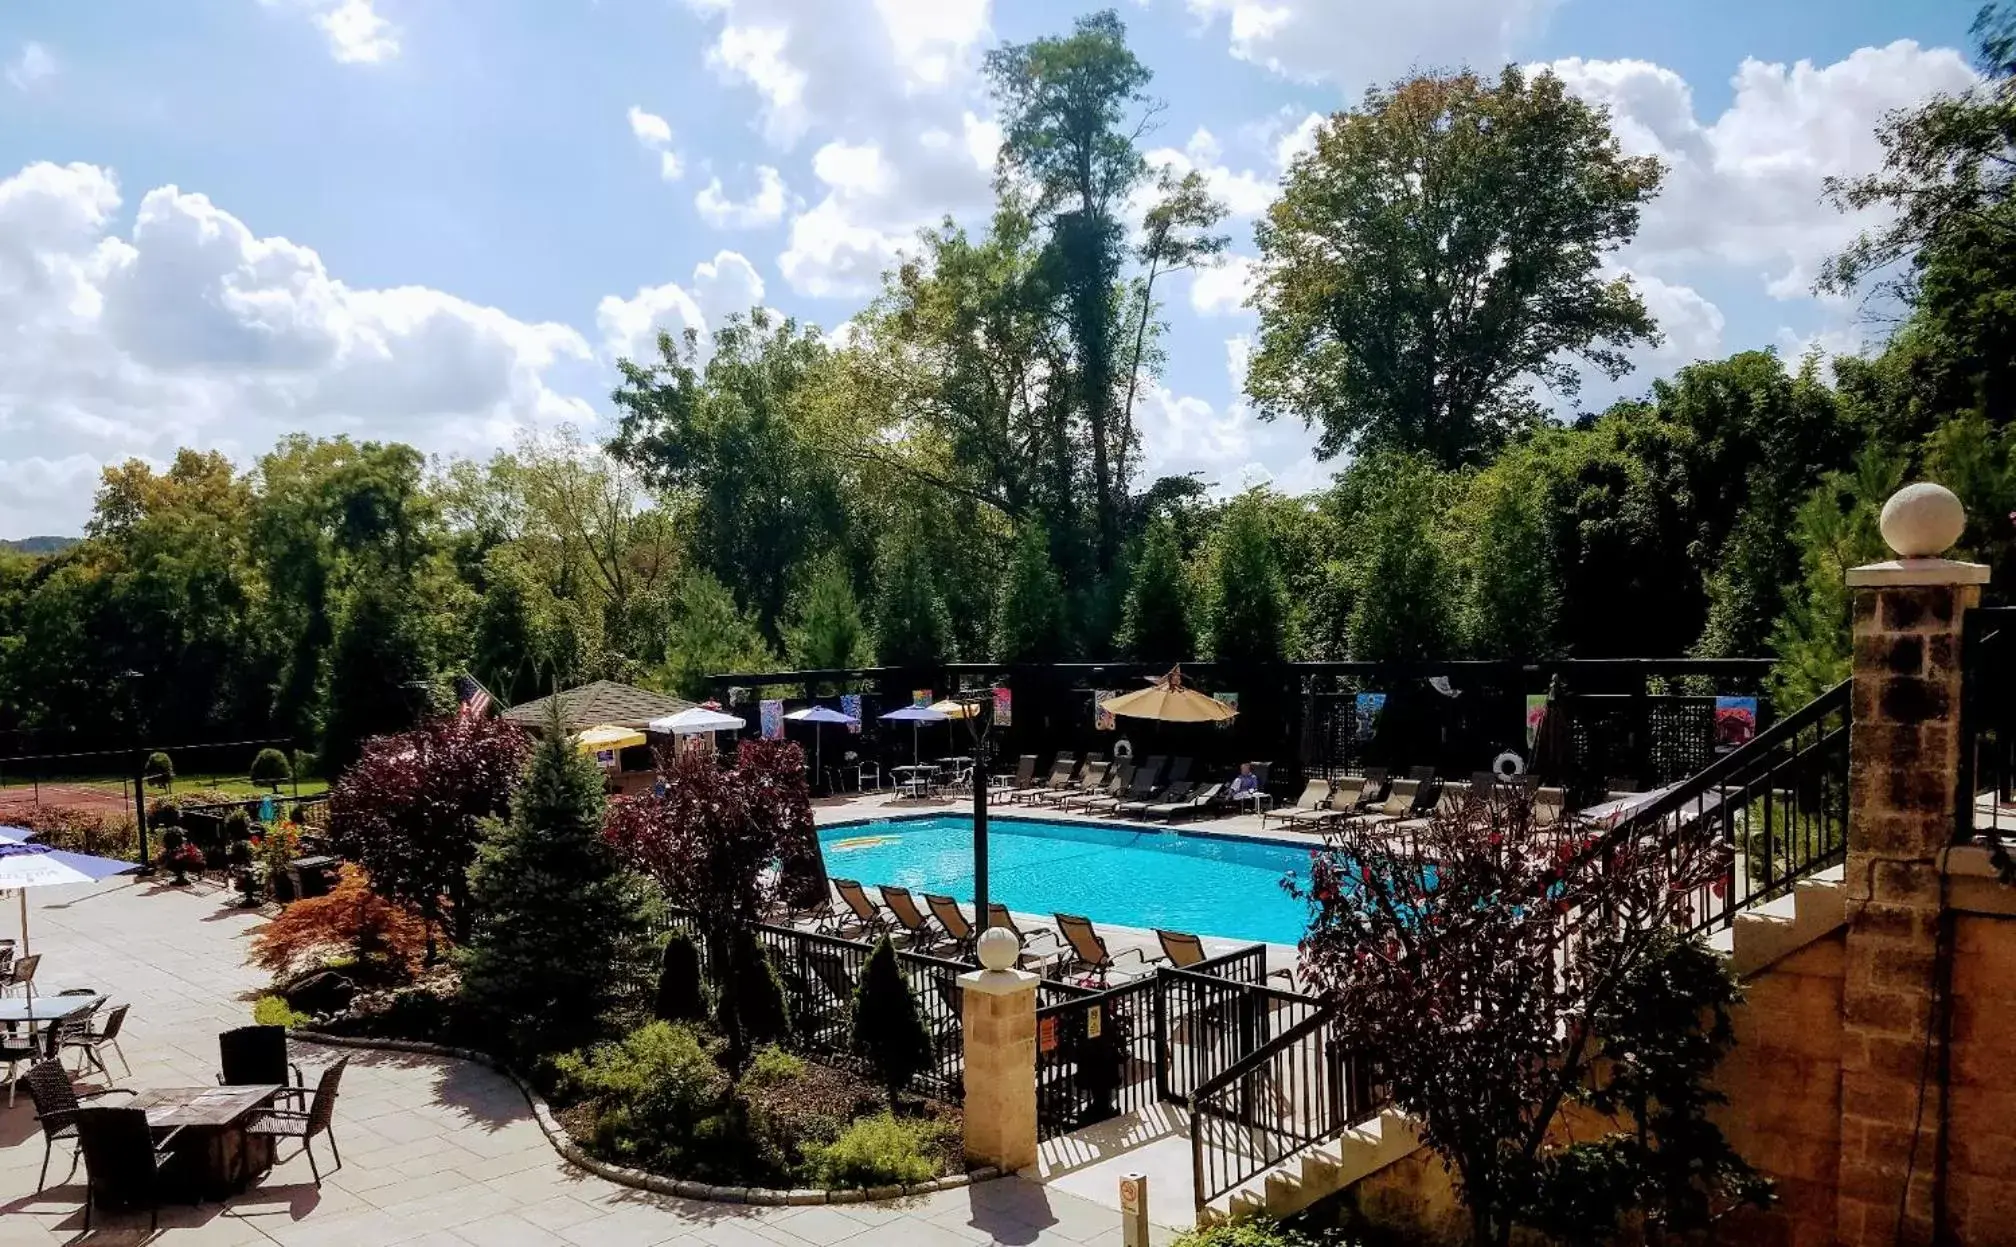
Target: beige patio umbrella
x,y
1166,699
952,708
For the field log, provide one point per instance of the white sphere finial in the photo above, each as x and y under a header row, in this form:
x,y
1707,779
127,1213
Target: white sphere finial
x,y
1922,521
999,949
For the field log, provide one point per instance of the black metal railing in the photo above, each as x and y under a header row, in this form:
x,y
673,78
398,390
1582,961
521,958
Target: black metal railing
x,y
819,974
1297,1090
1987,790
1097,1057
1779,802
1211,1022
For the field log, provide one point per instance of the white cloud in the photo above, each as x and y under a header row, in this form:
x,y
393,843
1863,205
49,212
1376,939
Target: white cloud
x,y
722,287
1230,449
191,329
1743,190
1370,41
889,90
1222,290
1297,140
655,134
1244,193
34,66
1690,325
357,34
763,208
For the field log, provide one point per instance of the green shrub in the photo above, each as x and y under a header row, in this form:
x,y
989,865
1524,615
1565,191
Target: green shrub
x,y
304,764
1257,1232
752,1008
274,1011
772,1066
649,1092
888,1028
160,770
682,997
269,767
882,1150
237,826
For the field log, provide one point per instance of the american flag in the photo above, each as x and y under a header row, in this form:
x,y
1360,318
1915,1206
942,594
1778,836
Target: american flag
x,y
474,697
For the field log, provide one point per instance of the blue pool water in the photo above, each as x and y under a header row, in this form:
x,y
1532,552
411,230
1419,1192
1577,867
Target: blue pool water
x,y
1146,878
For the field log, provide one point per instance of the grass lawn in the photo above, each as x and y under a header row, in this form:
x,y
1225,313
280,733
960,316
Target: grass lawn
x,y
230,785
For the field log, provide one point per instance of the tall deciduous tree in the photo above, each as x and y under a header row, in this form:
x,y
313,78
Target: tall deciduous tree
x,y
412,811
1032,623
1403,592
545,875
1156,626
911,627
1444,240
1249,606
1072,109
379,667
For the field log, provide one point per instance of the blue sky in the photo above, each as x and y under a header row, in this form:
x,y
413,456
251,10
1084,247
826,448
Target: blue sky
x,y
441,220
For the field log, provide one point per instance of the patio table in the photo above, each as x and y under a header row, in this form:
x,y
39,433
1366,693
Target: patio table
x,y
214,1156
15,1010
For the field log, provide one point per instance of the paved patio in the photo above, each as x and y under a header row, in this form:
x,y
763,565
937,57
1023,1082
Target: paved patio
x,y
436,1152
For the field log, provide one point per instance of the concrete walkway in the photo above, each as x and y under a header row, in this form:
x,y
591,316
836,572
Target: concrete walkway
x,y
436,1152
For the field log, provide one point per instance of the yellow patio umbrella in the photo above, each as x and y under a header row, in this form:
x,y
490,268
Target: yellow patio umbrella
x,y
1166,699
608,736
952,708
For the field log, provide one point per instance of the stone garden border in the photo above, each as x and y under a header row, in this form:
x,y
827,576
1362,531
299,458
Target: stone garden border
x,y
637,1179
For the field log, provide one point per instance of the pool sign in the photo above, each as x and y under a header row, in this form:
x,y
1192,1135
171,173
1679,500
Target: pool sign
x,y
1046,1035
1092,1022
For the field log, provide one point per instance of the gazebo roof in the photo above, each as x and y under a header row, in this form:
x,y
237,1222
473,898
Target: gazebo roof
x,y
592,705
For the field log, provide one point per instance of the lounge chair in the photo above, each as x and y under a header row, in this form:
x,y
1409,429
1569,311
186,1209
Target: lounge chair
x,y
1178,791
1403,801
1451,800
1088,781
1025,776
1139,789
1202,799
915,923
1117,781
1089,954
1375,786
1311,807
1184,951
1549,804
998,916
951,918
864,910
1059,780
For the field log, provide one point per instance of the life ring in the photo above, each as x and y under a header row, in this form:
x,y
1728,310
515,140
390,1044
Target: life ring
x,y
1123,749
1509,764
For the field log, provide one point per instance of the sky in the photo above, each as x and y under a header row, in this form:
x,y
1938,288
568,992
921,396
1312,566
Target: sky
x,y
442,221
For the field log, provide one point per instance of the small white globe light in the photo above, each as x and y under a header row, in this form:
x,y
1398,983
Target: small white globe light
x,y
1922,521
999,949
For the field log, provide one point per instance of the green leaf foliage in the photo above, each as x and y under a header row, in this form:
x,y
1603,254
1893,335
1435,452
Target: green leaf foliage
x,y
1156,625
888,1028
1248,614
682,993
269,766
882,1150
1033,623
827,632
545,872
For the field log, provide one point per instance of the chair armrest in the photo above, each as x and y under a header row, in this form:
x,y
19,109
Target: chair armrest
x,y
92,1095
283,1112
1145,959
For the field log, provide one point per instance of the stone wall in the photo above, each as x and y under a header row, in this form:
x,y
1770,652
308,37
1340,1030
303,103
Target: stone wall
x,y
1981,1173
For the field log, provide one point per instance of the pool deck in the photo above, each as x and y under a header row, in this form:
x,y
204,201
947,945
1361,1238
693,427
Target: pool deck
x,y
854,807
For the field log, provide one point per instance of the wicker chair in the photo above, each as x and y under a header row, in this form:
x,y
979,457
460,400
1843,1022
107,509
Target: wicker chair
x,y
21,974
56,1107
255,1056
292,1124
24,1047
122,1161
88,1040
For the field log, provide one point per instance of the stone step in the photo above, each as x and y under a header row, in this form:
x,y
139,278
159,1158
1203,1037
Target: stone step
x,y
1320,1171
1767,933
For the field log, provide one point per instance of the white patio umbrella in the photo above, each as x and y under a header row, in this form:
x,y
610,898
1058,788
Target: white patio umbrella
x,y
24,866
698,719
816,715
913,715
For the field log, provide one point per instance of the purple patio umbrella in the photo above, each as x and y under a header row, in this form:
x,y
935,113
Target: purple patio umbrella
x,y
24,865
816,715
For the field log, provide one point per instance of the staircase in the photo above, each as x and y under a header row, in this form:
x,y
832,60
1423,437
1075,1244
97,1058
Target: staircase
x,y
1780,804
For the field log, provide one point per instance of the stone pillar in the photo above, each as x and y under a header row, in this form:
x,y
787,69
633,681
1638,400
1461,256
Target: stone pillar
x,y
998,1020
1904,751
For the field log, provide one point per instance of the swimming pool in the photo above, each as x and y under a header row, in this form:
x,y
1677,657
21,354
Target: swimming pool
x,y
1151,877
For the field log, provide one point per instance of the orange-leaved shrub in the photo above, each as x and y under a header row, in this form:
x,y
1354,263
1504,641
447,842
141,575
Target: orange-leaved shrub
x,y
351,921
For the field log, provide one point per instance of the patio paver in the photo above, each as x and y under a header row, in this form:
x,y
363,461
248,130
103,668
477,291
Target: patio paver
x,y
437,1152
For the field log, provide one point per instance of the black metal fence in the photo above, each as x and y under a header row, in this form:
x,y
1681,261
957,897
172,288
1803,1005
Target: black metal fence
x,y
1097,1057
1987,792
1780,804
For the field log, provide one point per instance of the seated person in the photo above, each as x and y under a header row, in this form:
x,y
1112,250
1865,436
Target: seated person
x,y
1246,785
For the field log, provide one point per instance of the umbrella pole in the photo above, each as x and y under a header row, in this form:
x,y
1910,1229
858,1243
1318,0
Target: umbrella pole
x,y
916,751
24,922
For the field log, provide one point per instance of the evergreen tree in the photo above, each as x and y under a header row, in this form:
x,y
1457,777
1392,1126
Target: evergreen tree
x,y
911,626
709,635
888,1028
1837,530
751,1009
681,997
547,875
1156,626
1031,623
377,658
504,638
1249,602
828,632
1513,595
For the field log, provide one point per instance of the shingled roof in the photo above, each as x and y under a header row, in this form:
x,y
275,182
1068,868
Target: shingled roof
x,y
592,705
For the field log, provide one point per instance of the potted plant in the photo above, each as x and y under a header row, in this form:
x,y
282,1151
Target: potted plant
x,y
182,859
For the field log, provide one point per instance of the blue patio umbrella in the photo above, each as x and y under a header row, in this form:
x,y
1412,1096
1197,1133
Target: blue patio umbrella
x,y
913,715
24,865
816,715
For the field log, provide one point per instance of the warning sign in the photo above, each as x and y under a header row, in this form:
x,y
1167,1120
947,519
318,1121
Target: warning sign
x,y
1046,1035
1092,1016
